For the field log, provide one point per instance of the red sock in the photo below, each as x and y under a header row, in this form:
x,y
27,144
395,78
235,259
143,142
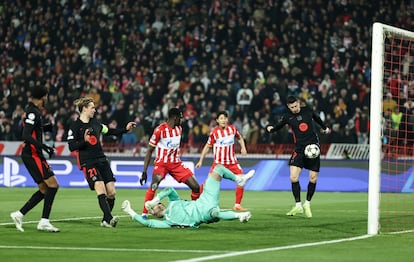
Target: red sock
x,y
194,195
239,194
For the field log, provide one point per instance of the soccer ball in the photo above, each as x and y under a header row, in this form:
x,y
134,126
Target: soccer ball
x,y
312,151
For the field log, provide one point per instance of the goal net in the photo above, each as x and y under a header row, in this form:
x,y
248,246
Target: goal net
x,y
391,173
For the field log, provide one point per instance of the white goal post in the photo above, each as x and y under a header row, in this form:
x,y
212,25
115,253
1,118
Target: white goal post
x,y
379,34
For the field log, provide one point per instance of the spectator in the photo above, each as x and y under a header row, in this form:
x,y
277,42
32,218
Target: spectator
x,y
244,97
141,63
362,126
7,134
389,103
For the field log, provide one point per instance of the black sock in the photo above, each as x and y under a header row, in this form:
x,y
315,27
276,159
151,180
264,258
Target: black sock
x,y
49,198
32,202
111,203
311,191
103,204
296,191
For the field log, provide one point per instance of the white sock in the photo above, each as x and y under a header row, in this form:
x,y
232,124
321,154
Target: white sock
x,y
44,221
298,204
307,202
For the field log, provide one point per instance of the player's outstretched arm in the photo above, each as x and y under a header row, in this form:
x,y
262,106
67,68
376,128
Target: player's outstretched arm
x,y
153,223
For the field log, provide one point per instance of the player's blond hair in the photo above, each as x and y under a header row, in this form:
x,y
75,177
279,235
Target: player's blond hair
x,y
82,102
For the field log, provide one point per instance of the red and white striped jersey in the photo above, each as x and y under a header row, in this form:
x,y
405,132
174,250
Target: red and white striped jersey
x,y
222,141
166,141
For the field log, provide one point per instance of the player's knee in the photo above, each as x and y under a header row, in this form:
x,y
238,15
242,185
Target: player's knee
x,y
294,179
313,176
111,195
219,169
214,213
313,179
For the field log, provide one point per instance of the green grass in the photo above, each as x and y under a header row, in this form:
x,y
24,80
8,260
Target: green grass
x,y
336,216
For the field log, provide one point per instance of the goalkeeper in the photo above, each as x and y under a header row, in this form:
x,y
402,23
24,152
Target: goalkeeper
x,y
182,213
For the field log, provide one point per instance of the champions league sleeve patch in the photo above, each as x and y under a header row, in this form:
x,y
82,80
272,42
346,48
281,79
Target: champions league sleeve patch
x,y
30,119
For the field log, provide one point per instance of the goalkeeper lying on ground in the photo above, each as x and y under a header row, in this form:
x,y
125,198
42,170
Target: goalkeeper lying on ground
x,y
183,213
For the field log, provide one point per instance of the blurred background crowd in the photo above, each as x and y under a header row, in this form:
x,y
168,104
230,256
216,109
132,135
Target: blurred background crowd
x,y
139,58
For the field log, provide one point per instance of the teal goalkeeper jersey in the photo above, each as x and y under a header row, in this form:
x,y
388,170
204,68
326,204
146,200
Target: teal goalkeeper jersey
x,y
183,213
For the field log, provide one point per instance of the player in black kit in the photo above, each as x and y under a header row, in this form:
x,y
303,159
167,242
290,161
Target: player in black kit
x,y
36,164
300,119
83,137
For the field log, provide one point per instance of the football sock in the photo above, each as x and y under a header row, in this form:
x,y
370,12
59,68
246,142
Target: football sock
x,y
195,195
227,215
296,191
225,173
103,204
311,191
32,202
49,198
239,194
111,203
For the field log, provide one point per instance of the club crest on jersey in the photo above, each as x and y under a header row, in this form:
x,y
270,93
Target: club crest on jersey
x,y
303,127
93,140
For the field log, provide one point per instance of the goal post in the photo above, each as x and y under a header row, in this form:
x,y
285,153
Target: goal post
x,y
377,62
392,69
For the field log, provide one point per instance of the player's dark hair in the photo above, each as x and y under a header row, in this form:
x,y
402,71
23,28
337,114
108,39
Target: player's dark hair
x,y
223,112
291,99
38,92
173,112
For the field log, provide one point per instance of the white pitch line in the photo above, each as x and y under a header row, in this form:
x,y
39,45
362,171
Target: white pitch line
x,y
112,249
233,254
227,253
58,220
97,248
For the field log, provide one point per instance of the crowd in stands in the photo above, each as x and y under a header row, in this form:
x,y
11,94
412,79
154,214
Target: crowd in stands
x,y
138,58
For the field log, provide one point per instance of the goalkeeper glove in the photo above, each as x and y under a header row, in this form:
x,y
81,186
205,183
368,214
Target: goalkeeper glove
x,y
48,127
143,178
149,205
49,150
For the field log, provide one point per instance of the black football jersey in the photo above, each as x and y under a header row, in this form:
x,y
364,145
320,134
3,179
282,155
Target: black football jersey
x,y
302,125
91,150
32,131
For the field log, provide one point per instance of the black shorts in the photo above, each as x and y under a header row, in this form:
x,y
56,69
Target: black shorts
x,y
38,167
299,160
98,170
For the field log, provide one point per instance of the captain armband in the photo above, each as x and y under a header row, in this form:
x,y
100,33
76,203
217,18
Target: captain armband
x,y
105,129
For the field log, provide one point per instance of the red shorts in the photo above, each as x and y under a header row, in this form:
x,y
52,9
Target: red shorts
x,y
177,170
235,168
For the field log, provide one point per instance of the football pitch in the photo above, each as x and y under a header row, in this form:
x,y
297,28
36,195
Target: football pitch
x,y
337,231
